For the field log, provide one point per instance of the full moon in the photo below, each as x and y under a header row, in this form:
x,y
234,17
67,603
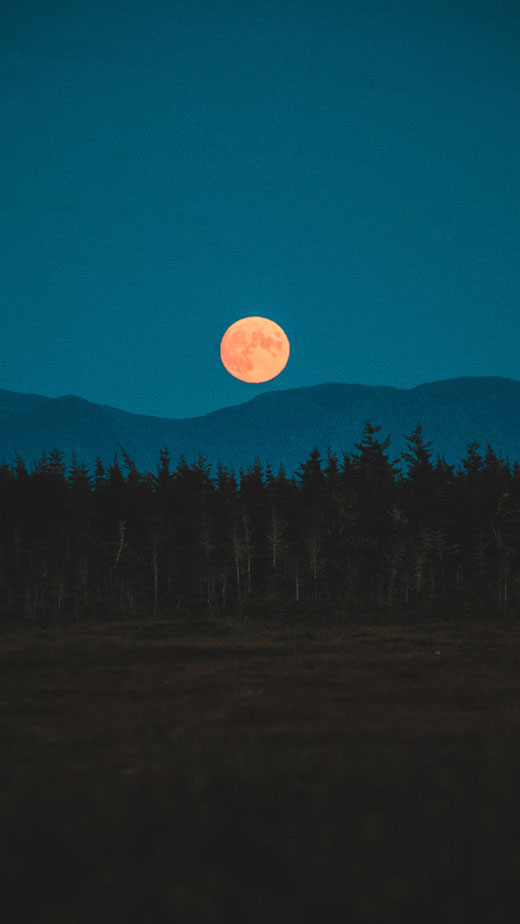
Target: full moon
x,y
254,349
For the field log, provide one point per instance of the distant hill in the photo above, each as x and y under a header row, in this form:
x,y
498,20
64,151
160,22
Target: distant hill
x,y
279,426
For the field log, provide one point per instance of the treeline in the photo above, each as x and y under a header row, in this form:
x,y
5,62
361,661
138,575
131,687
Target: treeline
x,y
340,539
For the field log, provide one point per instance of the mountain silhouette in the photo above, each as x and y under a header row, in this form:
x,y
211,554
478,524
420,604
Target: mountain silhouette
x,y
281,427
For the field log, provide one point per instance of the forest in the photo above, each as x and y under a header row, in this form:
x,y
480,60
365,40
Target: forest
x,y
361,537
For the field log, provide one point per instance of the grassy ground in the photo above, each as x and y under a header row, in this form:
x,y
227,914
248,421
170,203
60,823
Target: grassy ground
x,y
158,772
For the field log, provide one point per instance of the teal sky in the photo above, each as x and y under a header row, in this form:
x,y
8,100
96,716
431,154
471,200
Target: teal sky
x,y
349,169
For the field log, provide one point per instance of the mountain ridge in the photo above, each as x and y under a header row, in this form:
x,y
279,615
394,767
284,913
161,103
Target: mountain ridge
x,y
281,426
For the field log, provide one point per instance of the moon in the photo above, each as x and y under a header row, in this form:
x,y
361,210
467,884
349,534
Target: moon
x,y
254,349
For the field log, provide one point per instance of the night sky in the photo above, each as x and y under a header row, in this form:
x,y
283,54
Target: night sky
x,y
349,169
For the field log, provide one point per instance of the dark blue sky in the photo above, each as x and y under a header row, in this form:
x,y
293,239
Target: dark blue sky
x,y
348,169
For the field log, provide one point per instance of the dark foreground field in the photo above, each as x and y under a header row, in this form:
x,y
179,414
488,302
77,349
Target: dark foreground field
x,y
161,773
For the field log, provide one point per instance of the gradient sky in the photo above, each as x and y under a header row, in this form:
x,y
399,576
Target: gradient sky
x,y
349,169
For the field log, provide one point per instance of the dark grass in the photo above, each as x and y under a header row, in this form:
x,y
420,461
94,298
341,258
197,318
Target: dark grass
x,y
158,772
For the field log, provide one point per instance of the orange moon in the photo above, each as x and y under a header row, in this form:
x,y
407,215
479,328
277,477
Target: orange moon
x,y
254,349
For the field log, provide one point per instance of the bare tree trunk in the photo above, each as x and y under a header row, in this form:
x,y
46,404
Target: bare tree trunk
x,y
122,531
275,537
155,575
391,587
313,552
237,554
248,550
84,577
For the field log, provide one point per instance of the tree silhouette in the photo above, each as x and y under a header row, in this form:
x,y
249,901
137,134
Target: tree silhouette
x,y
335,540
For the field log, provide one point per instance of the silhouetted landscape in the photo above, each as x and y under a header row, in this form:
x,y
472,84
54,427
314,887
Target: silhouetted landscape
x,y
279,427
246,695
260,463
339,539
